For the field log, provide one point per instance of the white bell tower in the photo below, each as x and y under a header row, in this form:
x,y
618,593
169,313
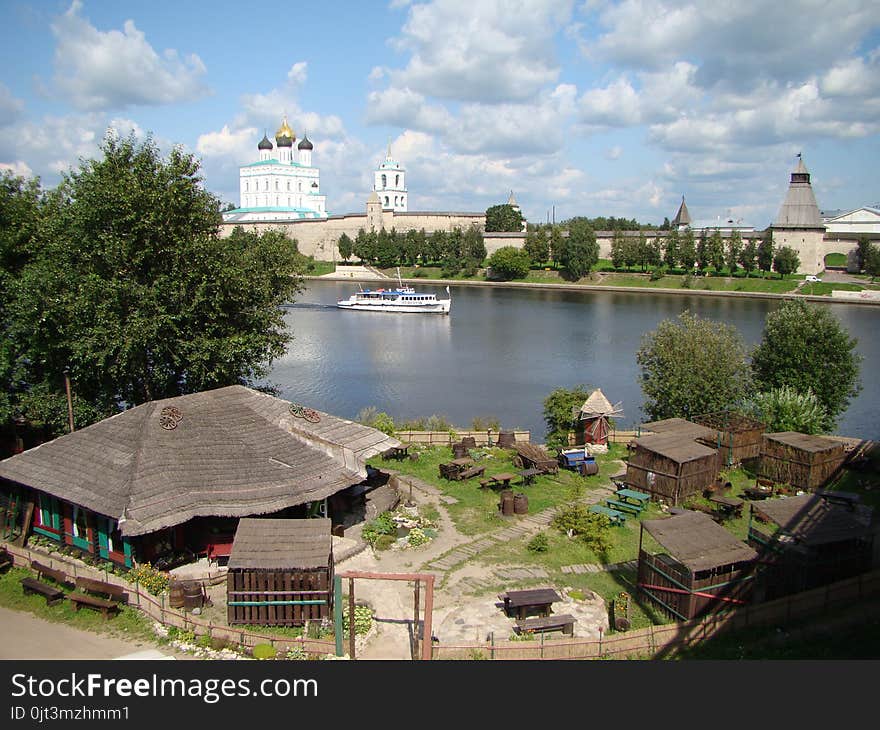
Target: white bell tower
x,y
389,183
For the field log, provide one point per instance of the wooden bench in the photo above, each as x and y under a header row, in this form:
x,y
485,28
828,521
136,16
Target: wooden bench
x,y
556,622
104,606
44,571
616,504
52,594
474,471
112,591
616,518
6,561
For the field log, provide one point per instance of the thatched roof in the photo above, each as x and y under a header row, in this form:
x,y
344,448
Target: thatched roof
x,y
286,544
596,405
233,452
697,541
803,441
812,520
674,446
681,428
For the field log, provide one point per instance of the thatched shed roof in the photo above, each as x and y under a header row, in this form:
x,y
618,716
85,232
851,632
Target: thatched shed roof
x,y
682,428
674,446
272,544
697,541
812,520
231,451
803,441
596,405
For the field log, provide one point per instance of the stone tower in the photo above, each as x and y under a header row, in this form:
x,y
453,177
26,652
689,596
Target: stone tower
x,y
799,224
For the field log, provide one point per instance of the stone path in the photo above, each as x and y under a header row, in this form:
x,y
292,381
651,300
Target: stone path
x,y
594,568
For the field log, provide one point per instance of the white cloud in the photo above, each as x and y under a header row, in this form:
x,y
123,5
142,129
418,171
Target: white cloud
x,y
490,51
406,108
297,74
18,168
613,153
113,69
854,77
225,143
10,107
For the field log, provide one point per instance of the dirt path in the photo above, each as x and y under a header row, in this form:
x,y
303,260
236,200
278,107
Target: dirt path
x,y
25,636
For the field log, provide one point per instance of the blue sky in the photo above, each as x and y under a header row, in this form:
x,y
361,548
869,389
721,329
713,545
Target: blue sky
x,y
582,108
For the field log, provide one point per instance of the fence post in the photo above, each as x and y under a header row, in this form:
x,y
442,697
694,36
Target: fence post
x,y
492,645
542,645
137,592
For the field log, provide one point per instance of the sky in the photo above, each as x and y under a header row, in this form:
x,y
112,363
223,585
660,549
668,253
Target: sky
x,y
580,108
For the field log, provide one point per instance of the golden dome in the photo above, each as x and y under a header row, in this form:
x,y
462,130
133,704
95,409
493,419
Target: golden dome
x,y
285,131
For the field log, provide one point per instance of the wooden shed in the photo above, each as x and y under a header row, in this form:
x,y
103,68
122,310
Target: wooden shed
x,y
691,566
811,540
738,437
280,572
670,466
801,460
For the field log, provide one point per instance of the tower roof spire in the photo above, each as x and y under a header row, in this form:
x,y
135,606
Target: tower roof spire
x,y
799,209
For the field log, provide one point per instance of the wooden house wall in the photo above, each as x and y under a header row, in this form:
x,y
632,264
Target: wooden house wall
x,y
259,589
807,470
736,447
672,481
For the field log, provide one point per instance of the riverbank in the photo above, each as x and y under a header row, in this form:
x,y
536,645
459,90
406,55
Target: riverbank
x,y
358,277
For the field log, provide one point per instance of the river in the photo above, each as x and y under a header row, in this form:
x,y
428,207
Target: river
x,y
501,351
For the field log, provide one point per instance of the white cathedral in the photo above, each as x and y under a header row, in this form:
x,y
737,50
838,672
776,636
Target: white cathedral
x,y
282,185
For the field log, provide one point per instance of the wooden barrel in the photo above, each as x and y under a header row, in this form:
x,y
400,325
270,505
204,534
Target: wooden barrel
x,y
459,450
469,441
175,594
506,439
192,594
589,468
520,504
506,505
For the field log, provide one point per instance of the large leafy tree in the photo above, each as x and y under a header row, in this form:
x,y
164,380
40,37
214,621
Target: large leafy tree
x,y
581,251
510,262
537,246
559,409
692,366
687,252
503,218
133,289
806,348
786,261
765,251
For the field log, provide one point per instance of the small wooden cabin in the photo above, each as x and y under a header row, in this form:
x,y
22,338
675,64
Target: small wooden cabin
x,y
811,540
801,460
738,437
671,467
695,567
280,572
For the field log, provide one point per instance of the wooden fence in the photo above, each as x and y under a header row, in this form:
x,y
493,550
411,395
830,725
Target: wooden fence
x,y
667,640
156,608
482,438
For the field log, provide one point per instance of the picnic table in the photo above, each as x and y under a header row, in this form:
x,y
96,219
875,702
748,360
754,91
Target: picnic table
x,y
503,479
452,469
396,452
534,600
615,517
528,475
728,506
639,499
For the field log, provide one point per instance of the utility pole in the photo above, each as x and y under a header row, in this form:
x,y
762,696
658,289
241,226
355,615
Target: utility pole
x,y
69,398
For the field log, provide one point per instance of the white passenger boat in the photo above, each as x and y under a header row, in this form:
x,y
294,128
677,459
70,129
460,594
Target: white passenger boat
x,y
403,299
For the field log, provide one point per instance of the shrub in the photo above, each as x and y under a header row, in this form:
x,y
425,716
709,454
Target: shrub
x,y
153,580
588,527
658,272
419,274
264,651
363,619
418,537
538,544
297,653
686,281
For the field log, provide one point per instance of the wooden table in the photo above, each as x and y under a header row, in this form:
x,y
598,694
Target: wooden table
x,y
528,475
396,452
615,517
729,506
503,479
640,499
536,600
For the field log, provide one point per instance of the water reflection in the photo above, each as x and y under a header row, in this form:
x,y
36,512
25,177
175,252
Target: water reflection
x,y
502,351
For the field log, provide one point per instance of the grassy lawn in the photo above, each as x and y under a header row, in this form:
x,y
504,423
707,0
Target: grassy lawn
x,y
835,259
319,268
704,283
129,623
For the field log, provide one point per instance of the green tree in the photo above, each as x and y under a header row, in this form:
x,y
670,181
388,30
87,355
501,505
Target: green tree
x,y
436,245
704,258
557,243
786,261
132,287
671,251
872,261
765,251
560,409
665,225
509,262
346,247
581,251
687,254
734,251
785,409
692,366
863,248
716,250
503,218
618,250
365,245
749,256
473,248
537,246
805,347
385,253
655,251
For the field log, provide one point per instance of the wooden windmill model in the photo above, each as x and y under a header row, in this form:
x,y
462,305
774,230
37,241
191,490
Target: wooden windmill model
x,y
593,419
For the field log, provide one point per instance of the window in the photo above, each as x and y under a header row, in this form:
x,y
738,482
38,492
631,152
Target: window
x,y
80,528
384,183
276,185
397,181
245,185
114,540
299,186
386,200
288,186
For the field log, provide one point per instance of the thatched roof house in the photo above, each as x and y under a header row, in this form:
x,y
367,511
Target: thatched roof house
x,y
280,572
738,436
703,566
811,540
230,452
801,460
